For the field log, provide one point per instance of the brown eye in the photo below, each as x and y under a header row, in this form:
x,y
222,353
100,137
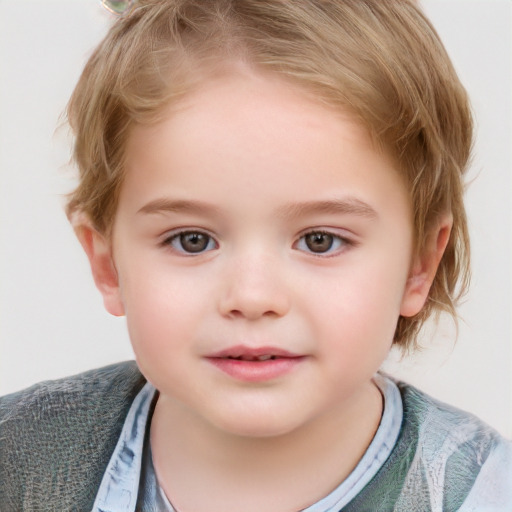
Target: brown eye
x,y
319,242
191,242
194,242
322,243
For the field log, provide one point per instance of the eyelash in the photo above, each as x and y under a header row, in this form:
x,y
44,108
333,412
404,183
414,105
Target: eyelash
x,y
207,243
339,242
178,237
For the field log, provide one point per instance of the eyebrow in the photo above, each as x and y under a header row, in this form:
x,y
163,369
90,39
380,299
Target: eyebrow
x,y
164,205
346,206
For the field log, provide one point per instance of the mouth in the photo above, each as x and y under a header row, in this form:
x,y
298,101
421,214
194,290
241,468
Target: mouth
x,y
255,365
266,357
241,353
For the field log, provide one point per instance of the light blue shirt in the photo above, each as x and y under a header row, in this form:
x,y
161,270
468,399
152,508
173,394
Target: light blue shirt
x,y
119,489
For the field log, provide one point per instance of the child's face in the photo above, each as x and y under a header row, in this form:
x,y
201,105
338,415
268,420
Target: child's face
x,y
256,223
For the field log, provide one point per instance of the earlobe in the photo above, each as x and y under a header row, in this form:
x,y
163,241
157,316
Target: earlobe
x,y
99,253
424,268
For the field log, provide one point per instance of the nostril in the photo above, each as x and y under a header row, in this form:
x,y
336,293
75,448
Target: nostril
x,y
250,298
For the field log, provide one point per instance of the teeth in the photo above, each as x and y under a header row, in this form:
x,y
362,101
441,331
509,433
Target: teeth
x,y
265,357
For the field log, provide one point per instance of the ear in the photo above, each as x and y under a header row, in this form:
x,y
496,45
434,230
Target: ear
x,y
99,253
424,268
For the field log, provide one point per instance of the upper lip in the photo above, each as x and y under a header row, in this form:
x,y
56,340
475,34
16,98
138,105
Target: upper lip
x,y
249,353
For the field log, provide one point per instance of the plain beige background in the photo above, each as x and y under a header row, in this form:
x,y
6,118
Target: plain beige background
x,y
52,322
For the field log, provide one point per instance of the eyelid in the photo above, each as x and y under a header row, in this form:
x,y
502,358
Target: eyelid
x,y
347,241
342,233
170,235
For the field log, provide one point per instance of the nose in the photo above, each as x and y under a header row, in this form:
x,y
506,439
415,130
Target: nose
x,y
254,287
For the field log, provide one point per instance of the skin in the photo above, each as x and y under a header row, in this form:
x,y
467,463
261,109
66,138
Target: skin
x,y
249,166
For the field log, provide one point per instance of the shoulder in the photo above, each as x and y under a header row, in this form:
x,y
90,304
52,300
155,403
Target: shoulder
x,y
60,401
456,453
119,376
444,460
438,424
57,436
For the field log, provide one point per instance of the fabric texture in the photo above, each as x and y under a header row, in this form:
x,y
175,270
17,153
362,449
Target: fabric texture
x,y
444,460
56,439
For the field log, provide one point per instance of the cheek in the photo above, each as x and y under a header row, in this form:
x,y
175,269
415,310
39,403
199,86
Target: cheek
x,y
158,331
164,310
359,310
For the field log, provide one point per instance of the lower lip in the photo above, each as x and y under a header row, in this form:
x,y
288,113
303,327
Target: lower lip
x,y
256,371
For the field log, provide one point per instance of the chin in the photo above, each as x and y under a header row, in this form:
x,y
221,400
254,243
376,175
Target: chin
x,y
256,425
256,431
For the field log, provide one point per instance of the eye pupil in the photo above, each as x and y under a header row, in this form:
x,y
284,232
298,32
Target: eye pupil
x,y
319,242
194,242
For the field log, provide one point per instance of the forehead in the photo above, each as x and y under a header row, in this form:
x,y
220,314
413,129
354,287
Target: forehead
x,y
226,87
238,96
261,136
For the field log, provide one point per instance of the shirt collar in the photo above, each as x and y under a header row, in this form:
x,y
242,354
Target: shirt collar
x,y
119,487
120,484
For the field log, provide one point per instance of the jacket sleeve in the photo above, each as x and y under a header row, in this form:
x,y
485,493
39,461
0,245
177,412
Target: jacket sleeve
x,y
56,438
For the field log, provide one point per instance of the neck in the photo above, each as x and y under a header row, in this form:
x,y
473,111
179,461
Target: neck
x,y
203,468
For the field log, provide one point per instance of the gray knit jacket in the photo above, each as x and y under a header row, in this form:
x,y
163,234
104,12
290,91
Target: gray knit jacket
x,y
56,438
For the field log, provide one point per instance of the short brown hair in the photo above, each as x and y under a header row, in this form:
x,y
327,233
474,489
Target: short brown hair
x,y
380,59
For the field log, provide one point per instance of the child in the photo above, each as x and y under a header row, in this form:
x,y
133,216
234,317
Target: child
x,y
271,192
